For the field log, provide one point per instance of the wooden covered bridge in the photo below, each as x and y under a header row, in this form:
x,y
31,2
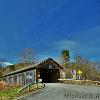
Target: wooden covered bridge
x,y
47,71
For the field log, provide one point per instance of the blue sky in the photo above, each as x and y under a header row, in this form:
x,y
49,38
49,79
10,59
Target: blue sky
x,y
48,26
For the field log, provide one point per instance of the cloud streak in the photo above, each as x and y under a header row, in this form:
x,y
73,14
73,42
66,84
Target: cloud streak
x,y
63,44
87,44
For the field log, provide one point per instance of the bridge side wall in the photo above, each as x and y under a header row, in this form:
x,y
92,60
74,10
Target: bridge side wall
x,y
21,79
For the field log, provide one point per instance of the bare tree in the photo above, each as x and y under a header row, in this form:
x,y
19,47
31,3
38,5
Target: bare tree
x,y
1,65
27,56
87,67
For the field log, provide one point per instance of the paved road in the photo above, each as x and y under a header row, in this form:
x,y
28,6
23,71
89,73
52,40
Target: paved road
x,y
57,91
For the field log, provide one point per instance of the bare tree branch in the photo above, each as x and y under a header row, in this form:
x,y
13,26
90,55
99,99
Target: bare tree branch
x,y
27,56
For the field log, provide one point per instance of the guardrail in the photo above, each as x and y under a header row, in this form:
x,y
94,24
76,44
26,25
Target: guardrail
x,y
83,82
31,87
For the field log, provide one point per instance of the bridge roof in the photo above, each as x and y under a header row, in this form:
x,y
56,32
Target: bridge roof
x,y
37,66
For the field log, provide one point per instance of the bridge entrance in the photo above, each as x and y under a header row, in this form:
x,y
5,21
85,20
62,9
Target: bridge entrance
x,y
49,75
48,72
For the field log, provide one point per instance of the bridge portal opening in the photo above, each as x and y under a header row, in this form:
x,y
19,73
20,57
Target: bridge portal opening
x,y
49,75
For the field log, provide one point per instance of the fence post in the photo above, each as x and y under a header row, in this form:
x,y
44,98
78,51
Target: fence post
x,y
29,88
37,86
44,85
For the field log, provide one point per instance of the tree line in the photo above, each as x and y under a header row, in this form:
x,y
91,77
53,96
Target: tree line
x,y
89,69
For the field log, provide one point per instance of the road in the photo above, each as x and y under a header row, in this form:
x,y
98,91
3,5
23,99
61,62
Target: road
x,y
57,91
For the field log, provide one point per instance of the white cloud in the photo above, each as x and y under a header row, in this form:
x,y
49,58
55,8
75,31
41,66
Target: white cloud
x,y
7,64
85,43
65,44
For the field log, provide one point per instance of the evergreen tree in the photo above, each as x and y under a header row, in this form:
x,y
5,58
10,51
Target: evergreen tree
x,y
65,57
65,62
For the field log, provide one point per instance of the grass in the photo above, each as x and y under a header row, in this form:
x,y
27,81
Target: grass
x,y
9,94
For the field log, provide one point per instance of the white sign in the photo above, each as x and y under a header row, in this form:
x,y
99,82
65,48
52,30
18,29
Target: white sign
x,y
74,72
39,80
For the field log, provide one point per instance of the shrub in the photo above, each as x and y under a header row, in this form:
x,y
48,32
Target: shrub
x,y
2,85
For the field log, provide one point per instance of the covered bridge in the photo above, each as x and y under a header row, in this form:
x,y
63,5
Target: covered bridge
x,y
47,71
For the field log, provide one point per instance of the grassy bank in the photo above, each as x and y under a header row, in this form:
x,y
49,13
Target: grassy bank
x,y
9,93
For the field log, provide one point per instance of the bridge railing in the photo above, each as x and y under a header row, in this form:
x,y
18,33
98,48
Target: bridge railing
x,y
31,87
